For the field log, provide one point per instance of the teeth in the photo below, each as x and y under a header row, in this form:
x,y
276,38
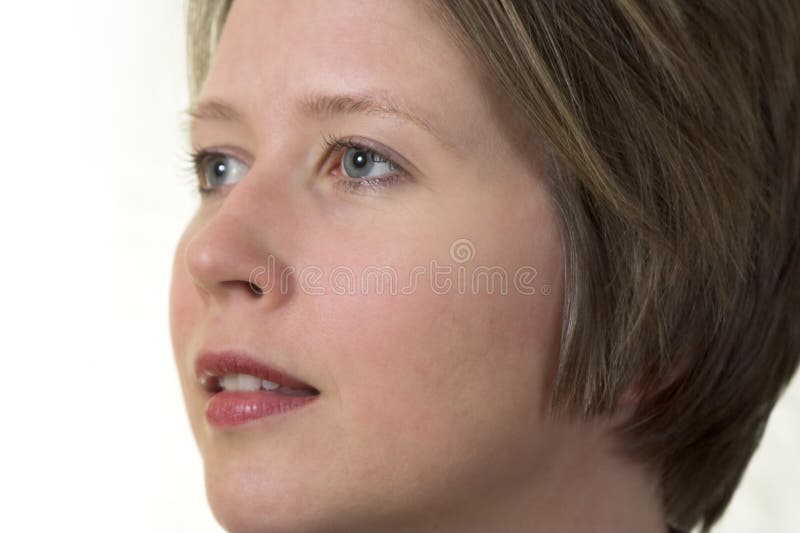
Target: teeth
x,y
240,382
245,382
269,385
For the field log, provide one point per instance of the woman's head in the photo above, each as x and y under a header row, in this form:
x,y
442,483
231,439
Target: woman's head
x,y
550,241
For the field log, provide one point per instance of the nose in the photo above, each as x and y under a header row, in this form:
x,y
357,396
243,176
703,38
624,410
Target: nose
x,y
230,255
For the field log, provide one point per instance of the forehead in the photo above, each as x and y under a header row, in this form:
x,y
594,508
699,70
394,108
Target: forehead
x,y
272,53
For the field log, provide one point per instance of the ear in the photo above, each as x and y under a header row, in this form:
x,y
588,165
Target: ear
x,y
630,396
638,389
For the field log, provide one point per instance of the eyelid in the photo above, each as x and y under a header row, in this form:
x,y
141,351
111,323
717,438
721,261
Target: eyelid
x,y
404,164
200,155
404,167
229,151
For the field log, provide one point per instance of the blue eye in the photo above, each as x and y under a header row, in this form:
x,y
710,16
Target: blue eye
x,y
215,169
362,163
363,167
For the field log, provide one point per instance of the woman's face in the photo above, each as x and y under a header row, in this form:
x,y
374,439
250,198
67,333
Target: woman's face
x,y
433,380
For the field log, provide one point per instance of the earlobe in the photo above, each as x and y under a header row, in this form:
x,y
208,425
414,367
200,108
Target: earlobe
x,y
630,396
649,384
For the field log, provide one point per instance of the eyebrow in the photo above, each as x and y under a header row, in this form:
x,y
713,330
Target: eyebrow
x,y
326,105
213,111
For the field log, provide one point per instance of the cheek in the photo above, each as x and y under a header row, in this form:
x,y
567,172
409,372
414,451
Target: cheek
x,y
179,302
185,306
431,379
185,316
439,380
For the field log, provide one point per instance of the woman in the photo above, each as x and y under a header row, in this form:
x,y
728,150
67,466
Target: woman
x,y
487,266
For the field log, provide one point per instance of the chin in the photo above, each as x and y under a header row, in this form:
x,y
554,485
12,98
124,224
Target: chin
x,y
246,496
244,500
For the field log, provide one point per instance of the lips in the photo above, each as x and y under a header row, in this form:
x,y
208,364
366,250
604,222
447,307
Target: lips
x,y
242,389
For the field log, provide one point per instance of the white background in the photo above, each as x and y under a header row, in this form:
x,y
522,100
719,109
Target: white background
x,y
94,197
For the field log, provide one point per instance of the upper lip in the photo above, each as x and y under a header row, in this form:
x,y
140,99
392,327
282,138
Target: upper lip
x,y
210,366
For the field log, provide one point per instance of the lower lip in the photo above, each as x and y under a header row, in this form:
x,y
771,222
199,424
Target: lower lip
x,y
233,408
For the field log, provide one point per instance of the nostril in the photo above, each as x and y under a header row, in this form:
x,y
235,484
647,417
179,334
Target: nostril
x,y
256,289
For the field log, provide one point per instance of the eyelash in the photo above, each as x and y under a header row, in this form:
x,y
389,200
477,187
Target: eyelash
x,y
331,144
194,165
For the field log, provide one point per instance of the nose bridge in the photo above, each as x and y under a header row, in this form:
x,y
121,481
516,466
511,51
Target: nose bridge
x,y
230,250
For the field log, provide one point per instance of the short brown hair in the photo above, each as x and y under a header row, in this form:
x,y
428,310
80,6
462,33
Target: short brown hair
x,y
675,137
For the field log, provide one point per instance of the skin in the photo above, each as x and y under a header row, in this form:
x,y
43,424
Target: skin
x,y
432,414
